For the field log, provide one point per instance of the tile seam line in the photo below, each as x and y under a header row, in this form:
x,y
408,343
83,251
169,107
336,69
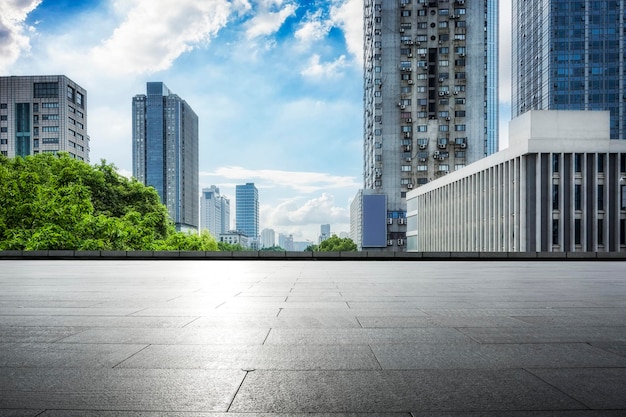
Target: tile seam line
x,y
237,391
530,372
134,354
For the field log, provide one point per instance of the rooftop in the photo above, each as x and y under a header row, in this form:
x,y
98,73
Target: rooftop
x,y
130,338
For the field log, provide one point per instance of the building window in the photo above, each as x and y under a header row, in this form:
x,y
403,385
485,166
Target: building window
x,y
555,196
600,231
405,168
459,128
600,163
555,163
623,192
444,167
422,128
3,106
49,105
577,232
555,231
70,93
45,90
600,197
578,162
577,197
50,129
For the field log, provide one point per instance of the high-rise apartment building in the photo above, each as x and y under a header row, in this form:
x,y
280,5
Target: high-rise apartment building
x,y
430,96
214,211
165,151
247,211
569,55
43,114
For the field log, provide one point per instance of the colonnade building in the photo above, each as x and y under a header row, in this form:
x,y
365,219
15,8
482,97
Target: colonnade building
x,y
559,187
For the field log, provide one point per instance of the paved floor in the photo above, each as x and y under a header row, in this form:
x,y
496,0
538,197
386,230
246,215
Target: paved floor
x,y
215,338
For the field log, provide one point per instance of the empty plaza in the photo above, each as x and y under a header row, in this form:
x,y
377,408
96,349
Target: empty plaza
x,y
394,338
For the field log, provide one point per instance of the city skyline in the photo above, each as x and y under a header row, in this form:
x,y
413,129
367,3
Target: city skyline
x,y
277,79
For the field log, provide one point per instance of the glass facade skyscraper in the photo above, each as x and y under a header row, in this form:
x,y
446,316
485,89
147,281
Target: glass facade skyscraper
x,y
165,151
569,55
430,96
247,210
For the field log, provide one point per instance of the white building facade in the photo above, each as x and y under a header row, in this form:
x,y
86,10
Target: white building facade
x,y
559,187
214,211
268,238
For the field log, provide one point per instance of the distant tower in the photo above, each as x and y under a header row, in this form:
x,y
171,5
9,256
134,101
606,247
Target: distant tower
x,y
165,151
569,55
430,95
214,211
324,232
43,114
247,210
268,238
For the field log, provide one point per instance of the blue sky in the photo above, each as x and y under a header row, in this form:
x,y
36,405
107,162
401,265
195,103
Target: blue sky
x,y
277,86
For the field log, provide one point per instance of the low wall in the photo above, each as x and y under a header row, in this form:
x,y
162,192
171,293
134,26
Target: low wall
x,y
310,256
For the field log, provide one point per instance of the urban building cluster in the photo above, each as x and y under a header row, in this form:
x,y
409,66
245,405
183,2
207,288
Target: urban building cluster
x,y
433,177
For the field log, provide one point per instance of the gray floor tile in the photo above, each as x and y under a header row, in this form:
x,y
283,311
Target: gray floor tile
x,y
553,334
30,334
503,356
184,336
597,388
63,355
324,391
119,389
365,336
287,357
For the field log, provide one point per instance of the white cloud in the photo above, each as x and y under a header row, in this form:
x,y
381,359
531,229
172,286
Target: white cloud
x,y
348,15
315,211
155,33
312,29
13,41
267,22
304,182
317,69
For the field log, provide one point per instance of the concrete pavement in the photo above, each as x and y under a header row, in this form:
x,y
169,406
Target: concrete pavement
x,y
359,338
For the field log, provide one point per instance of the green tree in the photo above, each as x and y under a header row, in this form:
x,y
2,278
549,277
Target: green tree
x,y
337,244
274,248
56,202
230,247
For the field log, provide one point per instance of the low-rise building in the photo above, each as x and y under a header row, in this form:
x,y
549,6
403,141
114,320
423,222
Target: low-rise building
x,y
560,186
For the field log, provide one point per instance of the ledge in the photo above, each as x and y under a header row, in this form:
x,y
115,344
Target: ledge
x,y
315,256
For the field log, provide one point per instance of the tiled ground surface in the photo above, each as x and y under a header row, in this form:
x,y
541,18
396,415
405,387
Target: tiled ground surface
x,y
312,338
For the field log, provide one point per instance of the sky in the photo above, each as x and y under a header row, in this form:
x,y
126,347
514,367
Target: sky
x,y
276,84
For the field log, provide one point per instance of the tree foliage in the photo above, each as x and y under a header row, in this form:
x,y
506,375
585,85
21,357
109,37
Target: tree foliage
x,y
334,244
274,248
56,202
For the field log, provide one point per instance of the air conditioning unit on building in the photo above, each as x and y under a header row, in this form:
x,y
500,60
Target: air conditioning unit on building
x,y
400,242
409,185
390,243
410,81
389,220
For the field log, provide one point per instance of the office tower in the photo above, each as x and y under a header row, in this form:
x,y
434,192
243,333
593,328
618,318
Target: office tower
x,y
247,211
268,238
214,211
46,113
430,96
286,242
324,232
165,151
569,55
